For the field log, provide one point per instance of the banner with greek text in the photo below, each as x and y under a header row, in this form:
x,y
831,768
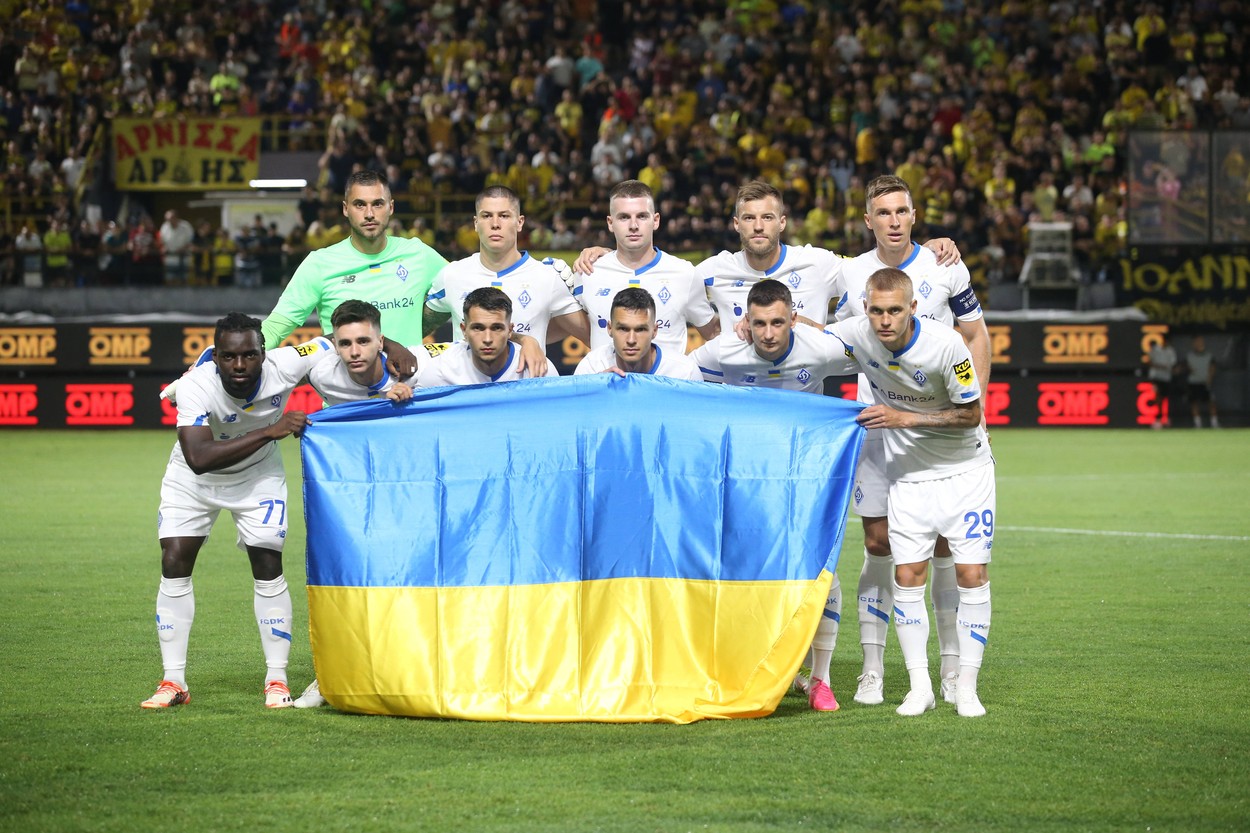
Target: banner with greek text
x,y
185,154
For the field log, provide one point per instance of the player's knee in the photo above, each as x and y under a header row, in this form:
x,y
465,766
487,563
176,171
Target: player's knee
x,y
877,537
266,564
177,559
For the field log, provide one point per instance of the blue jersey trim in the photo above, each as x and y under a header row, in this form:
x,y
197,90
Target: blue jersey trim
x,y
654,261
780,260
508,363
710,372
914,336
658,355
915,251
524,257
789,350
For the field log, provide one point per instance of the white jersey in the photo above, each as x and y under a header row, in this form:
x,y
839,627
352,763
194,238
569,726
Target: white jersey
x,y
203,401
813,275
330,378
942,293
537,293
679,297
813,355
454,366
668,362
932,372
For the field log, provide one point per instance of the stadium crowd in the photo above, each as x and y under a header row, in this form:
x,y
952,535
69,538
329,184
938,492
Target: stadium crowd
x,y
995,114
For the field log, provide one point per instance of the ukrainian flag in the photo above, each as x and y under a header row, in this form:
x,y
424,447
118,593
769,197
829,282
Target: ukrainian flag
x,y
578,548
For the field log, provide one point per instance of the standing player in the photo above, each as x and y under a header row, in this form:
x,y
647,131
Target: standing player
x,y
940,473
539,295
634,346
782,356
392,273
679,295
945,294
485,354
813,275
355,371
230,412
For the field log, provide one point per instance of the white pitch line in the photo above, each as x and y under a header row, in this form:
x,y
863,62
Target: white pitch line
x,y
1114,533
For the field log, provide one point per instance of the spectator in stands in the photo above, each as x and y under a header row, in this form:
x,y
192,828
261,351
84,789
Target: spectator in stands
x,y
294,249
57,246
175,239
29,247
247,258
145,255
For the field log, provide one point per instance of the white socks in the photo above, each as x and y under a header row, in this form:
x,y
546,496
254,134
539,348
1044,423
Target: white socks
x,y
175,611
945,596
826,637
911,623
974,631
876,590
272,603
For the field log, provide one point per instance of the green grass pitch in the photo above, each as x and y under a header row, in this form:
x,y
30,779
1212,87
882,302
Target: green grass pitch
x,y
1115,679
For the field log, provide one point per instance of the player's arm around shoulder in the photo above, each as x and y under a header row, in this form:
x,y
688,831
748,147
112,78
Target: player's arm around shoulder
x,y
837,356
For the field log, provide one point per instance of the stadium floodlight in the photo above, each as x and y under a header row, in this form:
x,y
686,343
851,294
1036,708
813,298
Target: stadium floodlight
x,y
277,183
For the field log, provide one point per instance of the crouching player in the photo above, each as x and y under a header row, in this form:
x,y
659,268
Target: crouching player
x,y
230,413
633,347
486,354
357,370
940,470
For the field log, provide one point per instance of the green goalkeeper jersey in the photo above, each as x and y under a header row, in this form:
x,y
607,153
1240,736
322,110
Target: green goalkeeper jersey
x,y
395,281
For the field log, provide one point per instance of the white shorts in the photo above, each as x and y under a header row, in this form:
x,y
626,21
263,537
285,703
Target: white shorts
x,y
872,487
960,508
257,500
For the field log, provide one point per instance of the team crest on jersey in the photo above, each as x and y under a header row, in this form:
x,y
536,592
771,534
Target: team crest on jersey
x,y
925,289
276,400
794,280
963,372
664,295
920,377
803,376
605,292
524,298
401,273
603,324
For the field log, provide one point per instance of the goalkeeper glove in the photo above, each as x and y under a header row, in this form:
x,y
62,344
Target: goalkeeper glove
x,y
562,270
